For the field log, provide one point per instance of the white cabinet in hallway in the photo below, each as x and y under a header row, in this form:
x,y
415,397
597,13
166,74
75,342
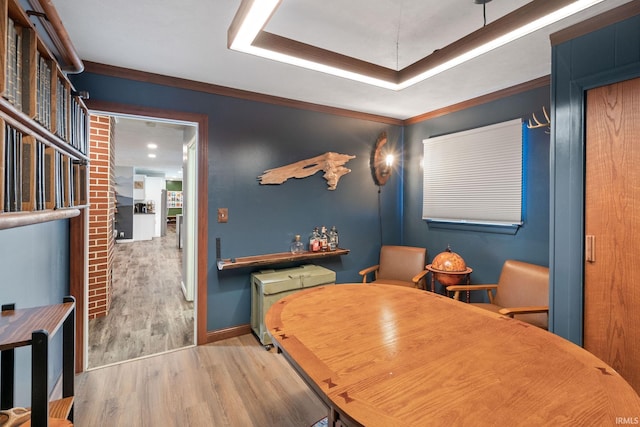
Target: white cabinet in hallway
x,y
143,226
153,193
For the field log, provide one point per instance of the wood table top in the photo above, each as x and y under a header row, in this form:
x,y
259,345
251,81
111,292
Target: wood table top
x,y
388,355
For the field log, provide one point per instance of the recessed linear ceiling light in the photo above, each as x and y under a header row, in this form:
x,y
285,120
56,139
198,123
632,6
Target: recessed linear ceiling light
x,y
152,146
246,35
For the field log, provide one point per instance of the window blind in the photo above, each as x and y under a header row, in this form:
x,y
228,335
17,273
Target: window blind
x,y
475,176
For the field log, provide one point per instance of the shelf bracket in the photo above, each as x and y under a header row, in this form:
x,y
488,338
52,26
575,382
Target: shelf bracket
x,y
40,15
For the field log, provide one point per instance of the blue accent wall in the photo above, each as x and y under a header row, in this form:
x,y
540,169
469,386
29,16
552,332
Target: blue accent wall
x,y
602,57
245,139
482,251
34,261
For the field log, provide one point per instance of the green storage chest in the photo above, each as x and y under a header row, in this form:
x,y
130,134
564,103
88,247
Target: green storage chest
x,y
268,286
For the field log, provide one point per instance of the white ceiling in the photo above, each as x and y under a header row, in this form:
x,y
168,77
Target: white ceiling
x,y
390,33
188,39
132,136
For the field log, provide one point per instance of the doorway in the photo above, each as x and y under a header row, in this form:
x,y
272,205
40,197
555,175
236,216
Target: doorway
x,y
147,313
612,227
197,335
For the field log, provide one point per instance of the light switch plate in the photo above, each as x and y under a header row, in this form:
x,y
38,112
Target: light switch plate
x,y
223,214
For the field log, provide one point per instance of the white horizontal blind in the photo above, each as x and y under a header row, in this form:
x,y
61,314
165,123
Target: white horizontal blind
x,y
475,176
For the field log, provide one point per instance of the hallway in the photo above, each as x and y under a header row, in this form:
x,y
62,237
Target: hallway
x,y
148,313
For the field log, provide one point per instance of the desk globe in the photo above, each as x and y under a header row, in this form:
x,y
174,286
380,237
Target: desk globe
x,y
448,262
449,269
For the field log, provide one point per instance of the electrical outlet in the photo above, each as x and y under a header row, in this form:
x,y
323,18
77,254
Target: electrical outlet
x,y
223,214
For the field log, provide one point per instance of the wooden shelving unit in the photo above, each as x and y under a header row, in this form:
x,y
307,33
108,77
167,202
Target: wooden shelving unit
x,y
276,258
44,127
34,327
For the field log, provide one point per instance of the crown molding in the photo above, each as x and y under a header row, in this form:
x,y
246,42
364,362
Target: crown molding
x,y
143,76
484,99
603,20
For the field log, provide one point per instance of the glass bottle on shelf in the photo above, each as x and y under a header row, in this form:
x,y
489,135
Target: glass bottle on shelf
x,y
297,247
324,239
314,241
333,238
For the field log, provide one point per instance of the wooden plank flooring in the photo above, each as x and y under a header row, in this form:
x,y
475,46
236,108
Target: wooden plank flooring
x,y
234,382
148,313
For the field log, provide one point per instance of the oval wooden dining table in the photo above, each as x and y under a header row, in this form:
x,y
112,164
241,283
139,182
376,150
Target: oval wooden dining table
x,y
381,355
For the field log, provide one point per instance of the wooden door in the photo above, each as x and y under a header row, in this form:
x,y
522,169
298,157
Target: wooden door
x,y
612,217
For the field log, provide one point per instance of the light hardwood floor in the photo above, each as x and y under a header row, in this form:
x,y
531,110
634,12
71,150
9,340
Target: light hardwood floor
x,y
234,382
148,313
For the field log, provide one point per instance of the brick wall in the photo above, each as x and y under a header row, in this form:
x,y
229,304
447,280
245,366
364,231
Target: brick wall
x,y
101,215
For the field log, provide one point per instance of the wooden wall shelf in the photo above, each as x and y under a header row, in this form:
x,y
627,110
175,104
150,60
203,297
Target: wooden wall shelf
x,y
277,258
34,327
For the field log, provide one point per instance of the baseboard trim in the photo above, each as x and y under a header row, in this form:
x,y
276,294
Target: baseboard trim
x,y
232,332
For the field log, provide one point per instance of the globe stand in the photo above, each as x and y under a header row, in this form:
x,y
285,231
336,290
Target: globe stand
x,y
449,278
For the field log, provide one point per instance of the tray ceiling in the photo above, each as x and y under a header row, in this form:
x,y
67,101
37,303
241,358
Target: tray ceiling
x,y
188,39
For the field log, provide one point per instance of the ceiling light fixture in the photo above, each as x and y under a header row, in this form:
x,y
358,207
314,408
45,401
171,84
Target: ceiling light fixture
x,y
151,155
253,16
484,9
256,14
152,146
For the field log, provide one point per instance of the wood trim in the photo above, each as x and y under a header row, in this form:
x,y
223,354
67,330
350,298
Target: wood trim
x,y
241,14
595,23
277,258
232,332
106,107
318,55
58,35
203,193
504,25
203,228
494,96
519,17
77,276
126,73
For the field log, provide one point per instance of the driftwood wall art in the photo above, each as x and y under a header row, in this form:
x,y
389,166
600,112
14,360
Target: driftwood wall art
x,y
331,163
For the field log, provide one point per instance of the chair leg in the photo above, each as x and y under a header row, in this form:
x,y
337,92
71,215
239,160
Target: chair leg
x,y
490,294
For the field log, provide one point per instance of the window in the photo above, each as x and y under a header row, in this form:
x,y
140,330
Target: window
x,y
475,176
